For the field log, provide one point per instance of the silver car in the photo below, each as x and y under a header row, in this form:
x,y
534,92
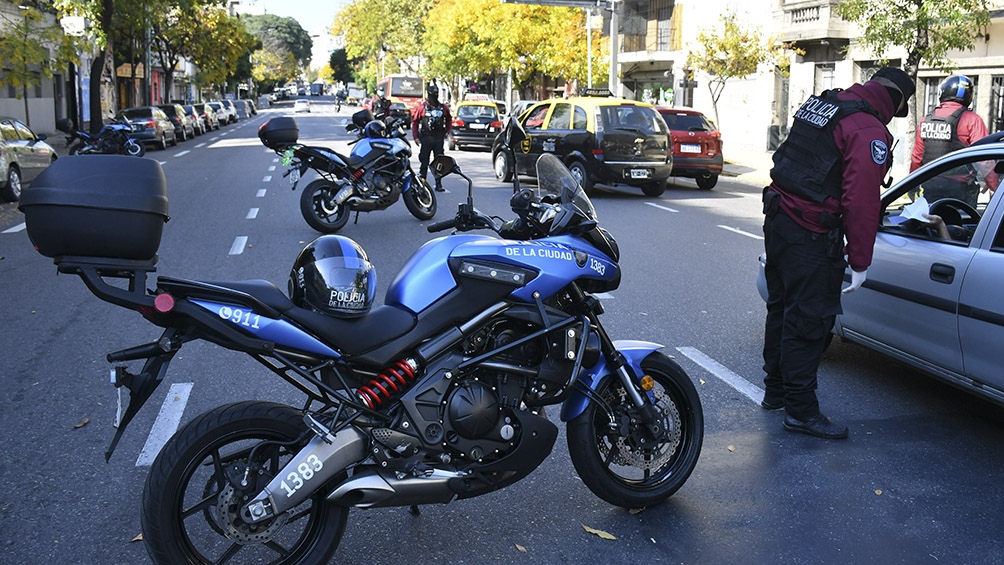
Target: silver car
x,y
23,155
930,301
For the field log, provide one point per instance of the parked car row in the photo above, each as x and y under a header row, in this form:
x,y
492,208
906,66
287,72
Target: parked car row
x,y
167,124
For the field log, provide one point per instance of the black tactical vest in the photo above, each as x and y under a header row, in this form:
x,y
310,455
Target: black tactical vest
x,y
808,163
434,120
940,135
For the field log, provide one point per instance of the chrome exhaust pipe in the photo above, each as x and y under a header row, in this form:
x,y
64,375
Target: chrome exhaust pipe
x,y
378,488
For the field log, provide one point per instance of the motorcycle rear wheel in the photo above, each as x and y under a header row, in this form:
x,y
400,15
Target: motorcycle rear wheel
x,y
191,509
316,210
622,465
421,200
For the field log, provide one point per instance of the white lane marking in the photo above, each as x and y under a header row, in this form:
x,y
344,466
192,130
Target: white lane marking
x,y
15,229
166,423
749,389
661,207
203,144
603,295
261,193
185,152
252,214
271,167
266,178
238,247
741,232
756,195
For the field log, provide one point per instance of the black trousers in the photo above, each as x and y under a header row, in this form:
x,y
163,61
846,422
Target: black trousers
x,y
804,273
431,143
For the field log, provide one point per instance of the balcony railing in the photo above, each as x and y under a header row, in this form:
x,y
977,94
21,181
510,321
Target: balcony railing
x,y
812,20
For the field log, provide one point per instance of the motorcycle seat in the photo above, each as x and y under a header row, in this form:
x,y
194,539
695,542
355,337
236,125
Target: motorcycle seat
x,y
351,336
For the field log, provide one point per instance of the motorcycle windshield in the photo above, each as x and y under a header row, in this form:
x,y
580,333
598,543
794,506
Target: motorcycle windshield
x,y
553,179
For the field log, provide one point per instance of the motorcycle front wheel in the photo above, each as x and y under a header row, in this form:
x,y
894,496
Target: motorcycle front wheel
x,y
420,199
134,148
192,497
318,210
621,462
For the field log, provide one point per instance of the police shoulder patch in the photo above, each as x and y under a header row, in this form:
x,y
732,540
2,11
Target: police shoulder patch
x,y
880,151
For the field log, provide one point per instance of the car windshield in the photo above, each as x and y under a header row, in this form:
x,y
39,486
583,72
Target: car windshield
x,y
686,122
554,179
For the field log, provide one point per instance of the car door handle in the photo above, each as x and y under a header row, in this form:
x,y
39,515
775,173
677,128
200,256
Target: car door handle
x,y
942,273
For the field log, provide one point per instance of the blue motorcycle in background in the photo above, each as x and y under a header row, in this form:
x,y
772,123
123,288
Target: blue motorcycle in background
x,y
438,394
114,138
372,177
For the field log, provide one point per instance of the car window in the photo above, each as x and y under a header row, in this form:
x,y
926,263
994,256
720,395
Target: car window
x,y
23,131
957,192
561,117
536,117
579,118
629,117
471,112
131,113
7,131
686,122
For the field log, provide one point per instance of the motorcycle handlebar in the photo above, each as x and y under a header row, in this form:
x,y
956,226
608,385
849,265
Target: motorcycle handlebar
x,y
444,225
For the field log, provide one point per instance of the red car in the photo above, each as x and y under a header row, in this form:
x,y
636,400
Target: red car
x,y
697,145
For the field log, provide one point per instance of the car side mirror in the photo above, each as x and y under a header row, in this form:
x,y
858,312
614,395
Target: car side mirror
x,y
514,133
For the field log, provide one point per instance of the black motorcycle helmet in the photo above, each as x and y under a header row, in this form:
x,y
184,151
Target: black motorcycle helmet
x,y
376,129
957,88
432,92
333,276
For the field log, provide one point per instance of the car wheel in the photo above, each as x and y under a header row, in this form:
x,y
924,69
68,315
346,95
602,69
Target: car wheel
x,y
707,182
503,167
163,142
453,145
12,190
174,140
654,189
578,170
184,135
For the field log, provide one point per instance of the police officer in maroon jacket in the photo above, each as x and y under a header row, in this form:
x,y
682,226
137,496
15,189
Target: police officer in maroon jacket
x,y
826,184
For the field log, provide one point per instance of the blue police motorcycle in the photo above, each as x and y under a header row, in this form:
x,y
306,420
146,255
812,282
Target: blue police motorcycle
x,y
375,174
436,395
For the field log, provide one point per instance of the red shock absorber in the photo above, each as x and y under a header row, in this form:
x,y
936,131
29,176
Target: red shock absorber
x,y
392,380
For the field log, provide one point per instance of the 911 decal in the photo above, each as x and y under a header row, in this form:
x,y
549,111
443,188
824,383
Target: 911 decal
x,y
240,317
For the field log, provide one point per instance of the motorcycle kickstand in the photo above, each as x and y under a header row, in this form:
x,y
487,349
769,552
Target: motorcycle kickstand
x,y
357,218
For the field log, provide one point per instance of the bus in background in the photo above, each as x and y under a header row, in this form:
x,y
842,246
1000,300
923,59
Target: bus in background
x,y
404,91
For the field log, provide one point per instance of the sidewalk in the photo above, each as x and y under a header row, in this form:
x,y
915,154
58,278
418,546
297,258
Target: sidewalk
x,y
748,166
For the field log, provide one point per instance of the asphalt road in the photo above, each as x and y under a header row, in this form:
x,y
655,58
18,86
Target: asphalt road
x,y
915,483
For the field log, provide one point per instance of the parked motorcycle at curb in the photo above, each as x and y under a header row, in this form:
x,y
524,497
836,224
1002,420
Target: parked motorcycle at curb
x,y
112,139
372,177
436,395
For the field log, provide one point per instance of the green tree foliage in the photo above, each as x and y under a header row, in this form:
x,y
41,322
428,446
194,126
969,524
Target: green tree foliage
x,y
382,36
733,51
32,48
341,69
217,54
281,34
467,38
927,29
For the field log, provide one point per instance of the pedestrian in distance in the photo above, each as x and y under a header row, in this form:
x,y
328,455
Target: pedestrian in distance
x,y
430,125
825,185
948,127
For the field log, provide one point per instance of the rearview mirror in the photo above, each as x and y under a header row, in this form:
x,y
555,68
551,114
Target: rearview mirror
x,y
443,165
514,133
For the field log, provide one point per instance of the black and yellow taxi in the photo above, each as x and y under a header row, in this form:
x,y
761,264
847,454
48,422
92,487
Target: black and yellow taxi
x,y
600,138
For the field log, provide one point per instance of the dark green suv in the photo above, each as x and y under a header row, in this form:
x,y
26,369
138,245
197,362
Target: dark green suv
x,y
601,139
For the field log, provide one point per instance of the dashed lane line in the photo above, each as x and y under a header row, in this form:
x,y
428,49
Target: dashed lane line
x,y
240,242
166,423
654,205
741,232
730,378
15,229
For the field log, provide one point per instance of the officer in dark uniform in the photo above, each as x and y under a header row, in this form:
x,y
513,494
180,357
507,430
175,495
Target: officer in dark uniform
x,y
951,126
430,125
826,183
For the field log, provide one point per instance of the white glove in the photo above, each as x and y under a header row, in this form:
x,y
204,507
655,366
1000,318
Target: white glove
x,y
857,279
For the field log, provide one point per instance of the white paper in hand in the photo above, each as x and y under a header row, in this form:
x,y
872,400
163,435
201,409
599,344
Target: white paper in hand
x,y
913,211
